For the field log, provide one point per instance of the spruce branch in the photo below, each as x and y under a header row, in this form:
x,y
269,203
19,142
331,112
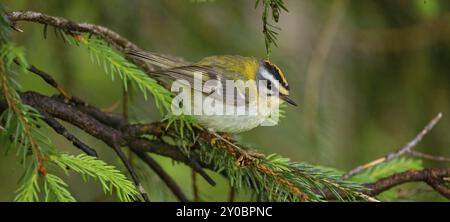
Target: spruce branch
x,y
60,129
115,64
56,189
23,124
131,170
176,190
271,177
19,115
195,186
69,113
73,27
385,169
427,156
269,30
23,128
28,191
49,80
397,153
111,179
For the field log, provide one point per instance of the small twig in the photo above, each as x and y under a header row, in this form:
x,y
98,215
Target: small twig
x,y
232,194
107,127
106,118
194,164
405,149
65,24
72,114
432,176
176,190
428,156
125,116
49,80
157,129
60,129
130,169
194,186
13,25
102,126
59,23
125,102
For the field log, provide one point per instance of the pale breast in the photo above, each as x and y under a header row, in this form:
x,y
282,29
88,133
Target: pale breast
x,y
237,123
230,124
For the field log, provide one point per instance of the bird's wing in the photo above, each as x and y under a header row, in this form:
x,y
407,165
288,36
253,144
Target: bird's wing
x,y
160,60
213,82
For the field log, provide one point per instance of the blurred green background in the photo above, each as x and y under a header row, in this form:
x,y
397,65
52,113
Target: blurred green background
x,y
368,75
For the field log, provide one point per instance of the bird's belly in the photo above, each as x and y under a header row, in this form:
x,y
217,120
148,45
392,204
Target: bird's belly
x,y
236,123
230,123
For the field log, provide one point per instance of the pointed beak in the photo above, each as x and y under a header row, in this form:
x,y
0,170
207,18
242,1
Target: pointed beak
x,y
288,100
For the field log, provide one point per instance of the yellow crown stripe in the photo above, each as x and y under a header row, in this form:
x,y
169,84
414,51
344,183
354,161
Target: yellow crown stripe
x,y
279,71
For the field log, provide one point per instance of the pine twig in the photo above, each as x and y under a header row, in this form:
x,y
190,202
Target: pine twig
x,y
60,129
125,95
125,116
194,185
428,156
49,80
130,169
434,177
158,129
118,41
98,127
72,114
64,24
232,194
12,102
403,150
176,190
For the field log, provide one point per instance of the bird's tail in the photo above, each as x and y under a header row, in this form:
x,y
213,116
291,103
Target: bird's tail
x,y
160,60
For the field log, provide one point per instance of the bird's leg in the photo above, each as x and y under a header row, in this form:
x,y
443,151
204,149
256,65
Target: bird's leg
x,y
242,157
224,138
228,136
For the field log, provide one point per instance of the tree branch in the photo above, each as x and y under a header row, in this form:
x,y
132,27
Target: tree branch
x,y
49,80
110,136
60,129
117,132
112,37
429,156
392,155
176,190
132,172
71,27
434,177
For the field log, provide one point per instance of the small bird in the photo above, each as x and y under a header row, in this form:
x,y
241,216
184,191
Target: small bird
x,y
223,68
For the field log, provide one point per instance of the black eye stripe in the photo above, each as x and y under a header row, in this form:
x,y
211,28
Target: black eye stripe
x,y
276,73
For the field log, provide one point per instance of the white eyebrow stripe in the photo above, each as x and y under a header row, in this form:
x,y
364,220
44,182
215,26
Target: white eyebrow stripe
x,y
269,77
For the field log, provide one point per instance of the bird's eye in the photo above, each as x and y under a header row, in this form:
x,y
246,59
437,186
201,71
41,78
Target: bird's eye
x,y
269,88
269,85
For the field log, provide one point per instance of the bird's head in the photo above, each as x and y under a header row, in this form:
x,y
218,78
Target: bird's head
x,y
275,81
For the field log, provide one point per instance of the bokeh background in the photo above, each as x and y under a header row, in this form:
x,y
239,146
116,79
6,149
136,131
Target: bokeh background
x,y
368,75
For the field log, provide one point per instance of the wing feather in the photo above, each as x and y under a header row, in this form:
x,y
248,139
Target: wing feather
x,y
217,89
